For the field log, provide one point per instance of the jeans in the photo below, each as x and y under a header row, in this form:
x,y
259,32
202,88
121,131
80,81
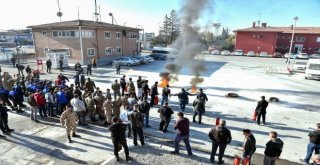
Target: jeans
x,y
222,148
138,131
42,111
34,110
146,115
182,106
164,99
269,160
310,148
185,139
5,122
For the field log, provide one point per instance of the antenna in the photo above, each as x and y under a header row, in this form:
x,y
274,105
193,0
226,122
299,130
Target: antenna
x,y
95,11
78,13
216,26
259,20
59,13
99,14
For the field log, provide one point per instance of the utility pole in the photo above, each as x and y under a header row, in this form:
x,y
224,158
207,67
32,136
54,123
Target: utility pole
x,y
291,42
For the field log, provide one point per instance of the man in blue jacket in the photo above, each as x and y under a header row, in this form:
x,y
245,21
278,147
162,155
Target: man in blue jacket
x,y
62,100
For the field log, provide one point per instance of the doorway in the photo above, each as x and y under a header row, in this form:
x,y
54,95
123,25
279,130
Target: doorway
x,y
297,48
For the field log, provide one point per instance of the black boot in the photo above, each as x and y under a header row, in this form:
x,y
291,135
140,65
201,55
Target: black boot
x,y
127,157
69,139
75,135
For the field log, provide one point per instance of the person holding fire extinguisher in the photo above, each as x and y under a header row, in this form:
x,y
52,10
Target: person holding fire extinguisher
x,y
261,110
154,94
249,145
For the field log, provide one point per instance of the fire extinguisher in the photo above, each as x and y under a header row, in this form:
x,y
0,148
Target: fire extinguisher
x,y
245,161
254,116
217,120
156,100
237,160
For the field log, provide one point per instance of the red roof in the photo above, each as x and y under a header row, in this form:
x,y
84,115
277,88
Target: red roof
x,y
301,30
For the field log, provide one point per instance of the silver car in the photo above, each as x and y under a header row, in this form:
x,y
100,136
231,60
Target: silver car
x,y
150,59
142,59
128,61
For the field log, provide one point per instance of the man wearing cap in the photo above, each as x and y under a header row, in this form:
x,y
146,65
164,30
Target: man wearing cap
x,y
118,131
68,119
221,137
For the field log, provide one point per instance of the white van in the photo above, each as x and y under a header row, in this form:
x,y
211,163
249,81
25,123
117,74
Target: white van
x,y
300,65
313,69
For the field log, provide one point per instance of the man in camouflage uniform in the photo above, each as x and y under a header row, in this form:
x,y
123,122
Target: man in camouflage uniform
x,y
130,87
99,99
107,106
90,85
116,89
90,106
124,101
116,107
68,119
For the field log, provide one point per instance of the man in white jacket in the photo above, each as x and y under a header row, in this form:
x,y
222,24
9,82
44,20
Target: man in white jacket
x,y
80,109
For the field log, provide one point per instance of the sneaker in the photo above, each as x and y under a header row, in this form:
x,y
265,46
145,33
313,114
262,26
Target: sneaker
x,y
190,154
37,121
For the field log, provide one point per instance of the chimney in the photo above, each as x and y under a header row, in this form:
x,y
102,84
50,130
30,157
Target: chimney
x,y
264,25
254,24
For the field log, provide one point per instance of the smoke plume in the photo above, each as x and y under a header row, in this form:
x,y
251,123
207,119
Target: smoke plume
x,y
188,42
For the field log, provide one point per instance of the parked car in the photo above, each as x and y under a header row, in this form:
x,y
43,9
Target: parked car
x,y
314,56
313,69
128,61
263,54
277,55
215,52
300,65
303,56
158,56
251,54
225,52
150,59
291,55
142,59
238,53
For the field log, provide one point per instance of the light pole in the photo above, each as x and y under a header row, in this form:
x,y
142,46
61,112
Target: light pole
x,y
143,37
293,28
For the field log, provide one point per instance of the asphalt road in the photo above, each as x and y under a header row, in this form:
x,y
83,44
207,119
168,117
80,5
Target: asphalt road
x,y
293,117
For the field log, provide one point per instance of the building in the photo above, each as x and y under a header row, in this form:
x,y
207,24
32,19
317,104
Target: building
x,y
277,39
13,38
86,40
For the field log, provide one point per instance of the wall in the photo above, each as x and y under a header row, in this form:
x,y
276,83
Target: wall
x,y
309,45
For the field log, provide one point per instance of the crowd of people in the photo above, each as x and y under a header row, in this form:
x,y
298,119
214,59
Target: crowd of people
x,y
125,107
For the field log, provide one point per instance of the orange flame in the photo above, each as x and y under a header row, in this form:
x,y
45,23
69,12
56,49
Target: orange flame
x,y
163,83
194,88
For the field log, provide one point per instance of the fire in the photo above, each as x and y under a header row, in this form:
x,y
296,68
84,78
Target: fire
x,y
163,83
194,88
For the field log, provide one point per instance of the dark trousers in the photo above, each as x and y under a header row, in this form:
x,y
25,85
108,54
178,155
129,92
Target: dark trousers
x,y
89,71
14,64
48,69
138,131
152,100
129,129
5,122
123,143
222,148
61,67
16,103
49,107
2,127
245,154
82,117
144,95
186,141
164,124
122,90
199,113
182,106
118,71
42,111
263,115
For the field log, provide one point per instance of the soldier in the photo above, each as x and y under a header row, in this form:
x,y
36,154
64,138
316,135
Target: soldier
x,y
107,106
123,84
90,85
68,119
130,87
116,89
99,99
90,107
118,136
108,94
124,101
116,107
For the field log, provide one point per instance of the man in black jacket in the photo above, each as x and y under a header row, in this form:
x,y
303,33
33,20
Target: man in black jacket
x,y
273,149
165,116
249,145
198,108
136,122
183,98
145,108
261,110
48,64
153,93
4,117
118,130
220,136
145,89
123,84
314,144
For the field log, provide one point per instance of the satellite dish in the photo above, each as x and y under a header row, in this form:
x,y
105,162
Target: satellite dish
x,y
59,14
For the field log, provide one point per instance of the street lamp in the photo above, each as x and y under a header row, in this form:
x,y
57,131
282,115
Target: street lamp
x,y
143,37
293,28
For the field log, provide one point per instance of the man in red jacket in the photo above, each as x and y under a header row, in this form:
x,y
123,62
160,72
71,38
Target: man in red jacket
x,y
41,102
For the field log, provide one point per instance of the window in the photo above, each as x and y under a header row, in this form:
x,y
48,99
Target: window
x,y
91,52
318,39
46,50
317,50
44,33
107,35
107,51
55,34
118,50
300,39
118,35
132,35
65,34
87,34
281,37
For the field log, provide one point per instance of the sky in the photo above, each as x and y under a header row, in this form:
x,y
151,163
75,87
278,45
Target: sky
x,y
234,14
